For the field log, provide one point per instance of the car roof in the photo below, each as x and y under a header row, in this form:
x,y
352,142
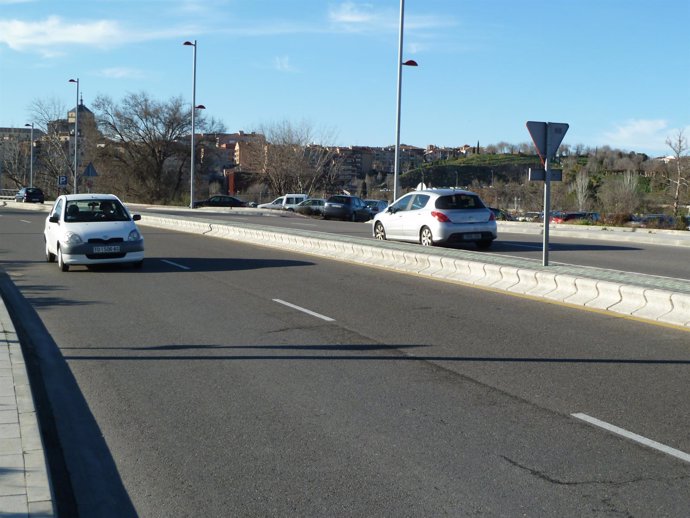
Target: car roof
x,y
89,196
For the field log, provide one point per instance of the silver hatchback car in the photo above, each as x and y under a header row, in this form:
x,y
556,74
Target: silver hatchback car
x,y
437,216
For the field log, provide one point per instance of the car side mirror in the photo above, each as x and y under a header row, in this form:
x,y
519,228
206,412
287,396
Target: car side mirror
x,y
54,219
136,217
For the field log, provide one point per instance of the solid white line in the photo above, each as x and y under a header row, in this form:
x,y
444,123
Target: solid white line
x,y
176,265
304,310
634,437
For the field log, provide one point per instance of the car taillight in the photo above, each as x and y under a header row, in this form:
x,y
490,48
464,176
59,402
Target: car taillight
x,y
492,216
440,216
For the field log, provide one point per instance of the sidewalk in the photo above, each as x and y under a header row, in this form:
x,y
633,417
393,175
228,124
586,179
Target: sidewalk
x,y
25,489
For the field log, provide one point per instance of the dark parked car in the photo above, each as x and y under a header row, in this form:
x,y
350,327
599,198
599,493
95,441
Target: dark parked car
x,y
348,208
221,200
376,206
501,215
311,207
30,194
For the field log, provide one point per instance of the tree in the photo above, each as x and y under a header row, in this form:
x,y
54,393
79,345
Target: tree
x,y
620,194
678,179
53,157
146,152
291,161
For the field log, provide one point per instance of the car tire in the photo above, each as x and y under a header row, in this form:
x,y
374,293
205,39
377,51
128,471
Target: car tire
x,y
61,262
426,238
379,231
484,244
50,257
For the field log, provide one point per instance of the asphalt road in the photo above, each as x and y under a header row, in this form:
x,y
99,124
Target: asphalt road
x,y
230,380
624,255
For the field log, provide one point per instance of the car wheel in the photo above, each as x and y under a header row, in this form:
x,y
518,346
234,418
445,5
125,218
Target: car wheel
x,y
50,257
379,231
61,262
425,237
484,244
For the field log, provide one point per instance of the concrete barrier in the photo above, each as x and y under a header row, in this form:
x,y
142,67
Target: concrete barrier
x,y
548,283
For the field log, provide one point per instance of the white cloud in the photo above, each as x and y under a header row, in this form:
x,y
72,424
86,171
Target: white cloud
x,y
54,31
639,134
121,73
282,64
51,37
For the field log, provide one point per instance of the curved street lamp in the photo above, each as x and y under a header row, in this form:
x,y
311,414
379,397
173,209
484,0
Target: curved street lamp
x,y
31,160
194,108
76,133
409,63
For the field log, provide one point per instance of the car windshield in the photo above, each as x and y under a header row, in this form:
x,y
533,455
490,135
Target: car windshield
x,y
459,202
95,210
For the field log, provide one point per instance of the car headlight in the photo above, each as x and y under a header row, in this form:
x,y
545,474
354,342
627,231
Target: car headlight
x,y
134,236
72,239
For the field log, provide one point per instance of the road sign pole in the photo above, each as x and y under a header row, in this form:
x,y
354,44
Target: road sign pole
x,y
547,209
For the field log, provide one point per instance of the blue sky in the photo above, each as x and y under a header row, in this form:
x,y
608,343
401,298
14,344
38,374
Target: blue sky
x,y
617,71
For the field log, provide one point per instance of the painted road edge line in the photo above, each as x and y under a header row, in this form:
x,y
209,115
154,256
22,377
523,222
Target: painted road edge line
x,y
304,310
633,436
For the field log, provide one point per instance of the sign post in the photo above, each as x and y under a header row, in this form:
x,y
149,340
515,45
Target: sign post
x,y
547,136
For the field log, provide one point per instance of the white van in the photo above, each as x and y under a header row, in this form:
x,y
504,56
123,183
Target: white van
x,y
285,202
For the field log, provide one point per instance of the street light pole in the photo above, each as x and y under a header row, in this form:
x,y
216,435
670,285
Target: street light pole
x,y
191,173
76,134
31,160
410,63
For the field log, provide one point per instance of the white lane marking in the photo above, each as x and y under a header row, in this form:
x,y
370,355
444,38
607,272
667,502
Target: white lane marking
x,y
304,310
176,265
634,437
25,221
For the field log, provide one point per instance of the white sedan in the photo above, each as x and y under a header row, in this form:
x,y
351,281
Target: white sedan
x,y
90,229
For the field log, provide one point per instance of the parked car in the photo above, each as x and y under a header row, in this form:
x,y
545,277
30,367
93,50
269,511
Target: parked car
x,y
347,208
90,229
502,215
311,207
437,216
220,200
654,221
29,195
376,206
286,202
572,217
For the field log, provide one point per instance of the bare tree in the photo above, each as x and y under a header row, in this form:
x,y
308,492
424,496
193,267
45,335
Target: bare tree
x,y
293,161
54,155
678,180
581,189
620,194
146,152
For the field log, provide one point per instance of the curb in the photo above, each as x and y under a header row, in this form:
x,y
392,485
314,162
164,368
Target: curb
x,y
582,289
26,488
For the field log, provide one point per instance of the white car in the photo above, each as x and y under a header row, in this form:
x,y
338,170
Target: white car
x,y
437,216
91,229
287,202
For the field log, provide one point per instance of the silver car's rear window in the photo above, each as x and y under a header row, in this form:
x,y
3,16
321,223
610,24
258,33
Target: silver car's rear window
x,y
459,202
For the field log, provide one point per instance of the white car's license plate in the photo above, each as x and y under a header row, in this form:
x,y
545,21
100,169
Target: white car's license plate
x,y
109,249
472,237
